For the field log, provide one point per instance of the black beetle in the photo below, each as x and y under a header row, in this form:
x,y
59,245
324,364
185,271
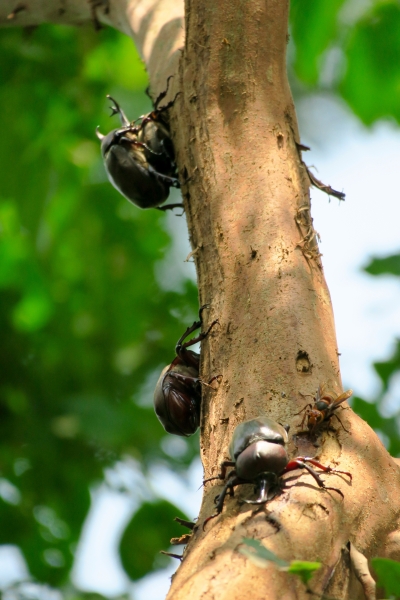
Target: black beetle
x,y
259,456
139,158
177,396
323,408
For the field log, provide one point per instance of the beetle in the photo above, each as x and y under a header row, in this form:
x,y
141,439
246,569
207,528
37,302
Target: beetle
x,y
323,409
177,396
139,157
259,456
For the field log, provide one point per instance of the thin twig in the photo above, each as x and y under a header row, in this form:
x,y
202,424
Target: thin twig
x,y
359,562
324,188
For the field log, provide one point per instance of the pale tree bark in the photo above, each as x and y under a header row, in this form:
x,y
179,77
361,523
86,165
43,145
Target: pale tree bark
x,y
247,205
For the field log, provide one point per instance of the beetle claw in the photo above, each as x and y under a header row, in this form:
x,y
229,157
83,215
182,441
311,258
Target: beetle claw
x,y
333,490
209,519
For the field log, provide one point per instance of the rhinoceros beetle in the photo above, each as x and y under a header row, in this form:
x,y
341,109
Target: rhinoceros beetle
x,y
177,395
323,408
259,456
139,157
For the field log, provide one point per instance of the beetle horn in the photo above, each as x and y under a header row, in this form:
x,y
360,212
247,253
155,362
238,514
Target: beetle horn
x,y
264,492
99,135
117,110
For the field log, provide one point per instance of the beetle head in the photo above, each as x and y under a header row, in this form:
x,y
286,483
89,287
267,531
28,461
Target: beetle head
x,y
261,457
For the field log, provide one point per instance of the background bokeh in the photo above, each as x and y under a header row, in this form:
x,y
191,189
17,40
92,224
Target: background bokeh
x,y
94,292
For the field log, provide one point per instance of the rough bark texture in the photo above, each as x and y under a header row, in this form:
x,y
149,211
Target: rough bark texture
x,y
247,205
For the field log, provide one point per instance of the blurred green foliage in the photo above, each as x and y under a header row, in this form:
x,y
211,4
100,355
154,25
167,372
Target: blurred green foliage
x,y
386,370
388,572
350,48
85,325
148,529
314,25
389,265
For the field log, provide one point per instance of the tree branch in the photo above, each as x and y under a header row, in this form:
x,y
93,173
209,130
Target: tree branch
x,y
247,203
156,26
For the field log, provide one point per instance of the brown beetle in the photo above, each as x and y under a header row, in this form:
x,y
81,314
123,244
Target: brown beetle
x,y
177,395
139,157
259,456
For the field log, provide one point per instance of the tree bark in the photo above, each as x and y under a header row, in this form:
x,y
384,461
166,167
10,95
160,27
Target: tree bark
x,y
248,209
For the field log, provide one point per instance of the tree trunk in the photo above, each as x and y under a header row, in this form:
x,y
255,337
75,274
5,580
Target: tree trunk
x,y
248,210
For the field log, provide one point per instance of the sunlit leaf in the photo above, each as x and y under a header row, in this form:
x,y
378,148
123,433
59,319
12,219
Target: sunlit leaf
x,y
304,569
388,572
260,552
255,551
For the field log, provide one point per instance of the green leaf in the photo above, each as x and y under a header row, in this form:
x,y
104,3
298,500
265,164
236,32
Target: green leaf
x,y
314,28
383,266
371,84
388,572
304,569
261,556
370,413
148,532
386,369
261,553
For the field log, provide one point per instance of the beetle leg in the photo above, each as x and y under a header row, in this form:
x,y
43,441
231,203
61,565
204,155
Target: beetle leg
x,y
215,378
298,464
171,181
200,337
222,474
201,309
181,346
189,330
322,467
185,379
168,105
234,480
170,207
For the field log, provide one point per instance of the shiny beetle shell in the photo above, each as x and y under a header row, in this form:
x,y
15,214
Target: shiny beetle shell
x,y
254,430
139,158
261,457
176,403
128,171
